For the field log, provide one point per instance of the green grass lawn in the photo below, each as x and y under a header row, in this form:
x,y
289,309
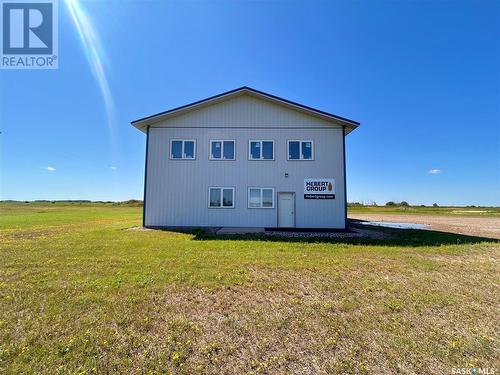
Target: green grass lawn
x,y
82,293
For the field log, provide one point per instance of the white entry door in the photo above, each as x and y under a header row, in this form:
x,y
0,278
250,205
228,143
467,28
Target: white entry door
x,y
286,210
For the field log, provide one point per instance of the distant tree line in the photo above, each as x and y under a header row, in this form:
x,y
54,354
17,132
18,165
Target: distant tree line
x,y
388,204
130,202
396,204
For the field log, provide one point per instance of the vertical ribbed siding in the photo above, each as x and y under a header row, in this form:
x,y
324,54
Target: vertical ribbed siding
x,y
246,111
177,190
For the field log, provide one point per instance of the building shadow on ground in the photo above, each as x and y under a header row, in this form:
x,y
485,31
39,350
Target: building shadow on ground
x,y
357,234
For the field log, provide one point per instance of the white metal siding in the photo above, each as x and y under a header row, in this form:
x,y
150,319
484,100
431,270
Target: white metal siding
x,y
245,111
177,190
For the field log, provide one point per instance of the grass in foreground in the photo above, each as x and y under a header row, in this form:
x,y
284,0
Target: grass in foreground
x,y
82,294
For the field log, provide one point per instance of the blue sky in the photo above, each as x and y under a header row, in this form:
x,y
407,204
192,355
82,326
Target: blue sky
x,y
423,78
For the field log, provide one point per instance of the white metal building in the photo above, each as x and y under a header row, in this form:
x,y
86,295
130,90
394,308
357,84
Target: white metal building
x,y
245,158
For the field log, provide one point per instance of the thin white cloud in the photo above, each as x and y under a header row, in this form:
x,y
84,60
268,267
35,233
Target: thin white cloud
x,y
435,171
50,169
112,168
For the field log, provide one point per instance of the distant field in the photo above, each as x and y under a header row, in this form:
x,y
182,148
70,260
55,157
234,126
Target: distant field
x,y
83,291
456,211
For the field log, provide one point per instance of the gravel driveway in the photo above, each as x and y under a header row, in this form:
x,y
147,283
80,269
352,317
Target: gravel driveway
x,y
468,225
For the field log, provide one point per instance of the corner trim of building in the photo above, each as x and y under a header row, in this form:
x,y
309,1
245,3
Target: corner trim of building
x,y
345,179
145,179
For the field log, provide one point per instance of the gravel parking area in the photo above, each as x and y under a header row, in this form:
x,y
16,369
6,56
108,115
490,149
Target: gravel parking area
x,y
469,225
354,233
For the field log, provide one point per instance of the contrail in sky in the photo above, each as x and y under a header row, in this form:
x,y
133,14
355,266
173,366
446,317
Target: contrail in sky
x,y
95,55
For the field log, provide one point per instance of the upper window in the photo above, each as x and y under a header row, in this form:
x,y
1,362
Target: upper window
x,y
182,149
261,150
300,150
221,197
222,150
260,197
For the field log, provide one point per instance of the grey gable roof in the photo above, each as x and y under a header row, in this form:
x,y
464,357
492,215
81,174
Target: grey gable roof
x,y
142,123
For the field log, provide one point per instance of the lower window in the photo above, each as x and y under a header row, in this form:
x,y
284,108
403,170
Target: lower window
x,y
260,197
221,197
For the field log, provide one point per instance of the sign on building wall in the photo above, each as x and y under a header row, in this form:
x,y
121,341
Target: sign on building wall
x,y
319,188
